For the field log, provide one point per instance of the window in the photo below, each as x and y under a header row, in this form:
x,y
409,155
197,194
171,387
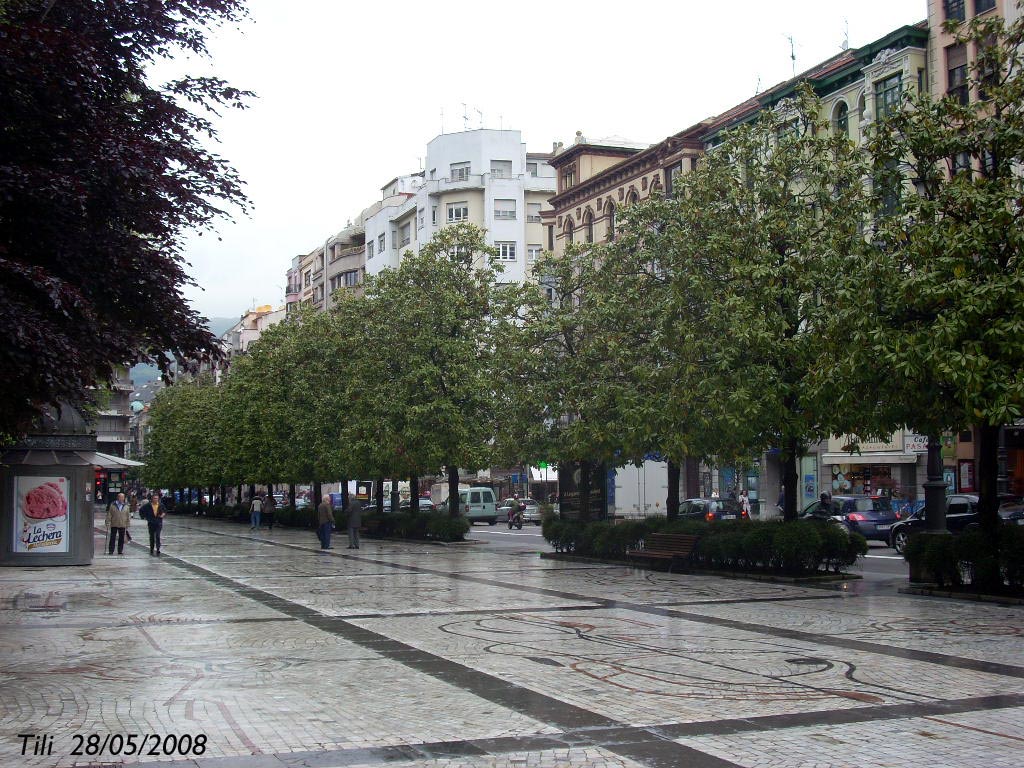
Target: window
x,y
609,214
588,227
506,251
887,184
960,163
505,209
533,253
501,169
369,250
459,171
420,217
350,278
533,213
568,232
307,279
980,6
531,169
956,74
843,120
457,212
955,10
405,235
380,244
551,238
672,174
335,283
887,96
433,215
569,177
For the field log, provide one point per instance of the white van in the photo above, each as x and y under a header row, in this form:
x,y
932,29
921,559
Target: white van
x,y
478,505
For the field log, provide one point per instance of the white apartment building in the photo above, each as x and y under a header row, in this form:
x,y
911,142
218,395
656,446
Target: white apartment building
x,y
484,177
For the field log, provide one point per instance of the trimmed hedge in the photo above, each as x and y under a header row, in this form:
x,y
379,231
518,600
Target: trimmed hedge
x,y
433,526
971,559
794,548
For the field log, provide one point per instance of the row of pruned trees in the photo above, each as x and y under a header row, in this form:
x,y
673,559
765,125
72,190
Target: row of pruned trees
x,y
794,286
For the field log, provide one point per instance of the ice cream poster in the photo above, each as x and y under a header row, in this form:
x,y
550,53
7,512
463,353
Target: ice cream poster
x,y
41,514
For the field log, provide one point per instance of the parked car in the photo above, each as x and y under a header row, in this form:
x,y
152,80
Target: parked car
x,y
870,516
961,515
302,502
531,511
425,505
711,509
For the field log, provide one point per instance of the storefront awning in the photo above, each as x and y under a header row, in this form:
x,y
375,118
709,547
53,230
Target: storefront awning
x,y
47,458
869,458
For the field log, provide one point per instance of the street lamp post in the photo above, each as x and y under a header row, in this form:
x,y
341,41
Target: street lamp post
x,y
935,489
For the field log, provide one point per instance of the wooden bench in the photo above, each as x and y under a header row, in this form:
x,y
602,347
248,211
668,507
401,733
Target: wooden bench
x,y
665,546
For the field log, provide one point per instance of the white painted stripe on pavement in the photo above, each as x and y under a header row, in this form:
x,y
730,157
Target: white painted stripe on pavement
x,y
886,557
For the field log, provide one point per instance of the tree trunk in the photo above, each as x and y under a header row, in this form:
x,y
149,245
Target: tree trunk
x,y
252,491
270,489
344,493
238,495
291,494
988,477
672,502
318,493
414,494
453,491
790,478
585,491
378,494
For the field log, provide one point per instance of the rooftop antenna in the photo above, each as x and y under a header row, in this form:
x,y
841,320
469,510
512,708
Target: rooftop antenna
x,y
792,52
757,88
846,34
481,114
465,117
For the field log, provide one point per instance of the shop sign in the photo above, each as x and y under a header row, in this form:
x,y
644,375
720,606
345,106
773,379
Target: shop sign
x,y
41,514
966,471
843,444
915,443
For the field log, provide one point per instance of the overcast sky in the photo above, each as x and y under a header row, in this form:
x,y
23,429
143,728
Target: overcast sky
x,y
349,95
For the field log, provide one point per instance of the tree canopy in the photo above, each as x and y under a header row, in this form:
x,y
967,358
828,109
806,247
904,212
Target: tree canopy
x,y
101,173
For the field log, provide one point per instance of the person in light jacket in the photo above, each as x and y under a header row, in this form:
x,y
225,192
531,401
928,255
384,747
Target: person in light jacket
x,y
325,520
355,520
117,522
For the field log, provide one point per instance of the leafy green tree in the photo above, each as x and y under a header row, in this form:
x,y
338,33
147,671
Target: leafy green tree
x,y
184,447
740,259
423,354
946,288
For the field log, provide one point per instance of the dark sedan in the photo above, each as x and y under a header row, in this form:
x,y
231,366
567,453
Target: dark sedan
x,y
711,509
961,515
870,516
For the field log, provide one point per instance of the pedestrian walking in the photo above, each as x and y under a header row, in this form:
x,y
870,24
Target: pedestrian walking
x,y
255,510
117,521
325,520
269,508
153,512
355,520
745,504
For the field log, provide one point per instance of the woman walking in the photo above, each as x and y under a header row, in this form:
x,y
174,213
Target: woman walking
x,y
153,513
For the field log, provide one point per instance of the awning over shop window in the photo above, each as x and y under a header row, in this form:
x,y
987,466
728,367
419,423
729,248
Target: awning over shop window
x,y
869,458
46,458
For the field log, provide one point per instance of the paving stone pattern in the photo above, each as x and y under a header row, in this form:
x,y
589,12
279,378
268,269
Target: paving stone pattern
x,y
417,655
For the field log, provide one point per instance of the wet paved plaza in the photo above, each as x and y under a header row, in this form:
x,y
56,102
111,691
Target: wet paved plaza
x,y
240,649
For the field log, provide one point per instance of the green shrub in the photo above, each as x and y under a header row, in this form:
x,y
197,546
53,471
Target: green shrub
x,y
1011,555
758,545
835,547
798,547
441,527
941,559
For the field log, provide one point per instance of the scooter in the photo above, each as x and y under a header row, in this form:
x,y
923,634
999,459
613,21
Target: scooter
x,y
515,518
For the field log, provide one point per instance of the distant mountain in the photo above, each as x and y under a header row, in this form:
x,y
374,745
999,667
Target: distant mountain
x,y
143,374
